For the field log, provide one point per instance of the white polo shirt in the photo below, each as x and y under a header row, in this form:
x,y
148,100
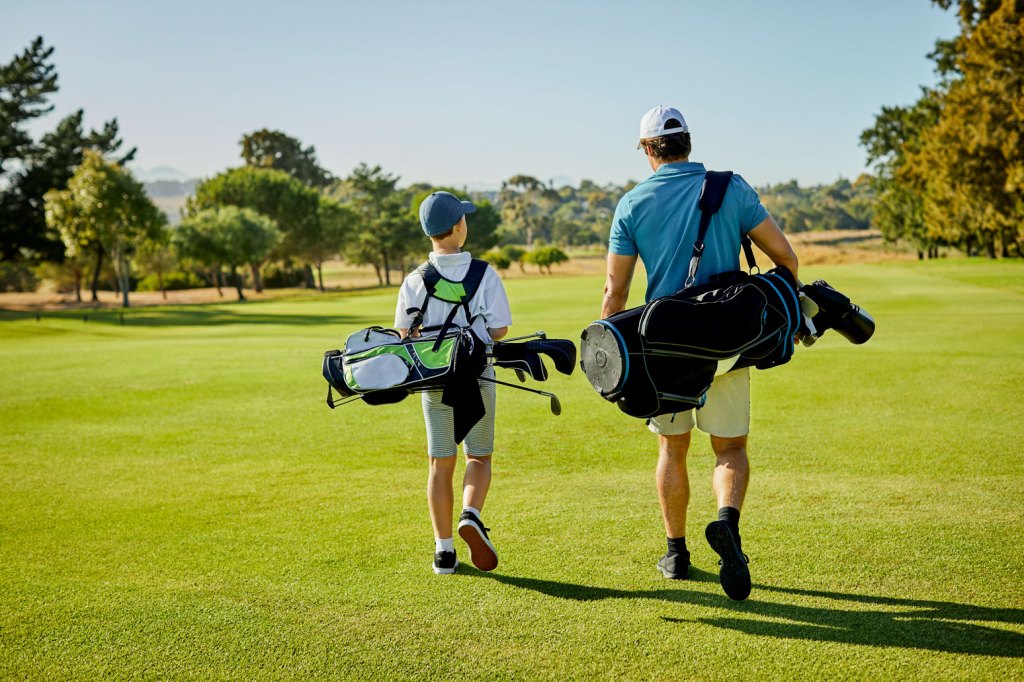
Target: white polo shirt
x,y
489,305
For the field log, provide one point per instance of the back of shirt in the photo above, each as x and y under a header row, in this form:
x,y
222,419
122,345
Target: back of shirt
x,y
658,220
489,305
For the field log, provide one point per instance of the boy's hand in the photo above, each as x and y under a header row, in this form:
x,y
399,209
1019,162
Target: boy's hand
x,y
497,333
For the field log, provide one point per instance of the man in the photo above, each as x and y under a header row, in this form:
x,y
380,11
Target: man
x,y
657,220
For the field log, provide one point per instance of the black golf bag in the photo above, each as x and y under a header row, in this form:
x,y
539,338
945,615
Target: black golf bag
x,y
662,357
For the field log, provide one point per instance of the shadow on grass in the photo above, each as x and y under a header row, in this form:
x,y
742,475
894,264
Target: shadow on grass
x,y
907,623
196,316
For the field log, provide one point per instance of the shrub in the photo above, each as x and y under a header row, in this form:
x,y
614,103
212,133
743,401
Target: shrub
x,y
498,259
62,276
173,281
283,275
546,256
514,254
17,277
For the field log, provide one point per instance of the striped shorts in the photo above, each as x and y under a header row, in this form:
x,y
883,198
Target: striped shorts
x,y
441,424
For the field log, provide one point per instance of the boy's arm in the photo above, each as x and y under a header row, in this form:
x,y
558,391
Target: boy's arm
x,y
496,309
402,318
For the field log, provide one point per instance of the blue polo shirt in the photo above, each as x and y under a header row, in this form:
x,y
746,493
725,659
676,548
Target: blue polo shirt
x,y
658,220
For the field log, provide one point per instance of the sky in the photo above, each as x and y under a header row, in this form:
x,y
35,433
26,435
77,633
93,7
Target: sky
x,y
470,93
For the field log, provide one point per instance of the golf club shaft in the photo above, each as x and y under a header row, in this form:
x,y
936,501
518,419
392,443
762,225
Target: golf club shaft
x,y
521,388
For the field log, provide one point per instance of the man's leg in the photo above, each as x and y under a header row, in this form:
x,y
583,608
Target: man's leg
x,y
673,489
729,480
732,471
673,483
727,414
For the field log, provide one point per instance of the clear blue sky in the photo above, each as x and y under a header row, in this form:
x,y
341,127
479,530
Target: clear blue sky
x,y
474,92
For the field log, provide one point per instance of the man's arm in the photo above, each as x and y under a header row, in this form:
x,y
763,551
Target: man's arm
x,y
770,239
616,285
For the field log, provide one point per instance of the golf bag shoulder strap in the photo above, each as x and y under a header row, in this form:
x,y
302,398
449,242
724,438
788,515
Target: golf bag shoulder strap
x,y
449,291
712,194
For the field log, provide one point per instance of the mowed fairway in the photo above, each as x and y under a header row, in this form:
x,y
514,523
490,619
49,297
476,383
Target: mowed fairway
x,y
177,501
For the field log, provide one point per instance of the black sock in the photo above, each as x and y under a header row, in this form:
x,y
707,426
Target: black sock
x,y
731,515
677,545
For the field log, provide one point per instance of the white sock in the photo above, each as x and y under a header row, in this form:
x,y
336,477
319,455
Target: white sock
x,y
444,544
472,509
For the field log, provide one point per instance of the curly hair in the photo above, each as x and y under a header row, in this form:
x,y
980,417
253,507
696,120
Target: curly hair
x,y
671,147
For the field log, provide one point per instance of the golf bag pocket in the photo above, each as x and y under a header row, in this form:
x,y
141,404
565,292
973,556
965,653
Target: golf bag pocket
x,y
371,337
378,359
719,327
385,370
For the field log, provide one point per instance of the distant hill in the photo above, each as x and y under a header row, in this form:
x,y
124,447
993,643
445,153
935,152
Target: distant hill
x,y
158,173
170,188
170,196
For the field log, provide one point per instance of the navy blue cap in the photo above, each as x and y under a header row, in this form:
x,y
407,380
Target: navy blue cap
x,y
440,211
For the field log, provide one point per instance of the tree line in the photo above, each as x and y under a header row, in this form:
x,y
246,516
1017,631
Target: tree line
x,y
949,168
70,209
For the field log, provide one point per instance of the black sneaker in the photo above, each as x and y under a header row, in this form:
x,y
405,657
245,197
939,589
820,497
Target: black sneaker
x,y
445,562
675,566
733,574
481,551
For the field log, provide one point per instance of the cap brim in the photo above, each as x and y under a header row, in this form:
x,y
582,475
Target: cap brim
x,y
468,207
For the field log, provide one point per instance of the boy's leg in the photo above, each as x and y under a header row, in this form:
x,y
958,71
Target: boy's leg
x,y
442,452
479,445
440,496
476,481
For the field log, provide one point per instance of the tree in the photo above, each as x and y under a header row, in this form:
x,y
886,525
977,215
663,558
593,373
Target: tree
x,y
526,205
546,256
25,84
197,238
387,228
971,161
273,149
227,236
336,223
498,259
29,170
64,215
156,256
515,255
950,168
103,197
290,204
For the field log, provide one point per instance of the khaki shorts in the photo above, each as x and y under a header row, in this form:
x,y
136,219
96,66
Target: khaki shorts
x,y
726,413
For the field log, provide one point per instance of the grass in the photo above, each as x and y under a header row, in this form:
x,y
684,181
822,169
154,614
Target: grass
x,y
176,501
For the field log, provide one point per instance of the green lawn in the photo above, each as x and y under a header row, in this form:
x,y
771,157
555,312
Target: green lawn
x,y
177,501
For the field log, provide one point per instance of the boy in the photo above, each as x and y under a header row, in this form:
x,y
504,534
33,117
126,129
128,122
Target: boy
x,y
443,218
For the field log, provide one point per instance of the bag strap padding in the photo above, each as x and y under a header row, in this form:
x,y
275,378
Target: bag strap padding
x,y
449,291
712,194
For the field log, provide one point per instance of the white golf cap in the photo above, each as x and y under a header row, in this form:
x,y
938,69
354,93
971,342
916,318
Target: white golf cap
x,y
653,123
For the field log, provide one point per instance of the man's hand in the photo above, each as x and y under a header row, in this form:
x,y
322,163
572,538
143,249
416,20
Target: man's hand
x,y
770,239
616,285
